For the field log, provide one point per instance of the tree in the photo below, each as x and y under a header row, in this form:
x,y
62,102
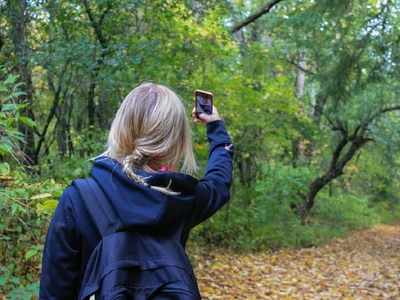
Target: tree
x,y
96,23
358,87
18,13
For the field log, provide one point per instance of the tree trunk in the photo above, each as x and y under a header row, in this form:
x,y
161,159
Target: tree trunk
x,y
339,161
96,24
57,92
61,130
301,76
69,110
247,170
1,41
91,105
19,18
298,149
319,108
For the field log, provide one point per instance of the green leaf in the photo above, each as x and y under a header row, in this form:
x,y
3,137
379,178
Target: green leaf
x,y
5,149
4,168
33,251
42,196
47,207
9,107
11,79
27,121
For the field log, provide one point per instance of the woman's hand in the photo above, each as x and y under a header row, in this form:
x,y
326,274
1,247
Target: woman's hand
x,y
205,118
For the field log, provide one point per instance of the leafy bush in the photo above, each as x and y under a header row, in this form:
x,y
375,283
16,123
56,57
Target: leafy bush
x,y
10,116
25,206
65,170
346,210
262,216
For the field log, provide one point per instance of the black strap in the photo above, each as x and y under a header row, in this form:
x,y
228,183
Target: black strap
x,y
98,206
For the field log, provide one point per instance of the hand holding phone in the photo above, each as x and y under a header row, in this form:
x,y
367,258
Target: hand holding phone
x,y
204,111
203,102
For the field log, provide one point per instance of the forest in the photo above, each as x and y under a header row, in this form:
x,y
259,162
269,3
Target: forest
x,y
309,91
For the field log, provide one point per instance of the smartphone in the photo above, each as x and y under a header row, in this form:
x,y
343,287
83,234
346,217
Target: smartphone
x,y
203,102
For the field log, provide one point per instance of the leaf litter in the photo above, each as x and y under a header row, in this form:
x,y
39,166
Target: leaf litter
x,y
364,265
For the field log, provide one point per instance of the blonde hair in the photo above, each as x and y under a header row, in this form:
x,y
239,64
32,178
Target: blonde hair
x,y
151,127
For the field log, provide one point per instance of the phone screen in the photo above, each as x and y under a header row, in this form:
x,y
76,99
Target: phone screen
x,y
204,102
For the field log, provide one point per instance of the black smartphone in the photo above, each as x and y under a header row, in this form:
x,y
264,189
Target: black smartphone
x,y
203,102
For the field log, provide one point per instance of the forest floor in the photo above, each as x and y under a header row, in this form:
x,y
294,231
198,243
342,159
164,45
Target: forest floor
x,y
364,265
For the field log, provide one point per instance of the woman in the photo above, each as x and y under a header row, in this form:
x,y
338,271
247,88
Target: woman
x,y
146,199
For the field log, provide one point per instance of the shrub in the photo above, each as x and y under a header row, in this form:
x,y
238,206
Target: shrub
x,y
25,206
261,216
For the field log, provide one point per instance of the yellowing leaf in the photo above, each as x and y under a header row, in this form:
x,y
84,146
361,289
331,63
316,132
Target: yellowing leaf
x,y
47,207
41,196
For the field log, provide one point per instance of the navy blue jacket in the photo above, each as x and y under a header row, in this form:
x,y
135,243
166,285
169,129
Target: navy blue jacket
x,y
72,234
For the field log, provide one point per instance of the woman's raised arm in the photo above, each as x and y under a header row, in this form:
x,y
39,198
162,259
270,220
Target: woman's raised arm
x,y
213,189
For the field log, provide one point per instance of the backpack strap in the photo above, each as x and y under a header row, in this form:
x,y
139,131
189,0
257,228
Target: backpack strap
x,y
98,206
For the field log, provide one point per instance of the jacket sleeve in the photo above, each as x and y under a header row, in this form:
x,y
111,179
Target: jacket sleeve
x,y
212,191
60,273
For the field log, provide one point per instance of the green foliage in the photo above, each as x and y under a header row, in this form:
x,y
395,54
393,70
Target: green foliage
x,y
25,207
278,226
66,170
284,184
29,291
347,211
79,69
10,115
268,220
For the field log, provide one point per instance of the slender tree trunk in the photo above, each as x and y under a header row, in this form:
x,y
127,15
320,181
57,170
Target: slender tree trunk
x,y
69,109
19,18
57,92
91,105
319,108
298,149
61,131
301,76
1,41
97,26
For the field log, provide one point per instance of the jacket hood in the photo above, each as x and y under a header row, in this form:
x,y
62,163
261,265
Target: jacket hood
x,y
137,205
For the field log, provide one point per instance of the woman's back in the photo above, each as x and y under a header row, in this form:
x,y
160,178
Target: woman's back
x,y
157,223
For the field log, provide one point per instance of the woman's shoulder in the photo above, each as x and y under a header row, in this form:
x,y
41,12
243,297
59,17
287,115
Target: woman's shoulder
x,y
72,207
70,198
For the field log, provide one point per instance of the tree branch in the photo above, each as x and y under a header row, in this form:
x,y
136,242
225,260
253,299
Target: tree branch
x,y
378,113
307,71
104,14
337,153
57,92
337,125
356,145
389,109
250,19
97,24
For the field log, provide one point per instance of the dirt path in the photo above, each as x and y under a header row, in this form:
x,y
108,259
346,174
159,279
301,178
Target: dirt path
x,y
365,265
